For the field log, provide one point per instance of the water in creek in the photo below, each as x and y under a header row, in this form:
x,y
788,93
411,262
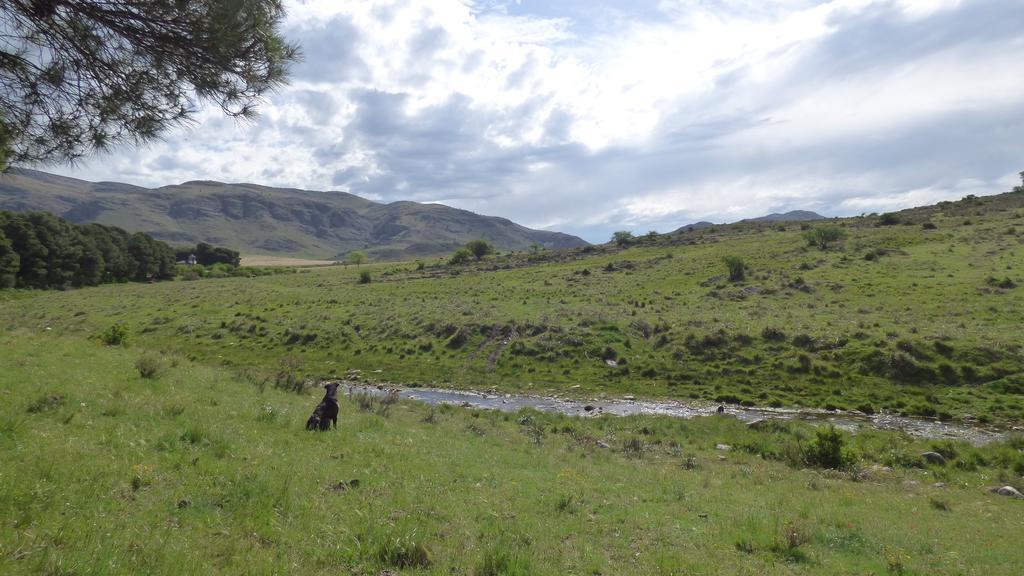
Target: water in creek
x,y
626,406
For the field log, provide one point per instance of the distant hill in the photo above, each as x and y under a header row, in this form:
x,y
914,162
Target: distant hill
x,y
257,219
791,216
695,226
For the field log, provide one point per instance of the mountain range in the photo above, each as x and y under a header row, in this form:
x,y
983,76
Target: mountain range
x,y
791,216
257,219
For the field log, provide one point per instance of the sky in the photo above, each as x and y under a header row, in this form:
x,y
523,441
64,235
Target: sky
x,y
591,116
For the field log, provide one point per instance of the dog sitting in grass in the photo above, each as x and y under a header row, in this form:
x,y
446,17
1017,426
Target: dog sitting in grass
x,y
326,411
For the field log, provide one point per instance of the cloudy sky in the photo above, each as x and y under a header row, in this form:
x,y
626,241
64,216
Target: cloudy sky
x,y
589,116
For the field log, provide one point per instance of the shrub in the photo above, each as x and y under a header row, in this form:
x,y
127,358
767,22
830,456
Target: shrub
x,y
479,248
115,335
827,450
461,256
773,334
364,277
737,268
623,238
929,226
287,377
824,236
889,219
148,366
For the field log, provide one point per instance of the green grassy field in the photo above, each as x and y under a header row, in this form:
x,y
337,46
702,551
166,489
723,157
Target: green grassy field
x,y
922,318
200,471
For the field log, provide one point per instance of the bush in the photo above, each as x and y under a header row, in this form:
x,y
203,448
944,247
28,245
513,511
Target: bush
x,y
827,450
148,366
479,248
364,277
889,219
737,268
461,256
115,335
623,238
773,334
824,236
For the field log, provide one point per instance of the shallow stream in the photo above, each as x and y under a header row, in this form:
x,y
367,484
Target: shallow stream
x,y
852,421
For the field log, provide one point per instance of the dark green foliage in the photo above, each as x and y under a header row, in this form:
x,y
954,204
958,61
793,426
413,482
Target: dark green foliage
x,y
1013,384
152,259
929,226
365,277
737,268
623,238
41,250
112,244
1006,283
827,450
5,144
824,236
80,75
905,368
889,219
461,256
9,261
479,248
208,255
115,335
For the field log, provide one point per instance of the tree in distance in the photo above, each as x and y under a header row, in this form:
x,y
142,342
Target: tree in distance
x,y
356,257
479,248
78,76
622,238
461,256
889,219
737,268
824,236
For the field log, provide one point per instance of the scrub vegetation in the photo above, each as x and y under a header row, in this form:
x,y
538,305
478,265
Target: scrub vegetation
x,y
919,317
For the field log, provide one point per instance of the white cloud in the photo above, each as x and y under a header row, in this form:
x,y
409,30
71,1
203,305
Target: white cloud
x,y
595,118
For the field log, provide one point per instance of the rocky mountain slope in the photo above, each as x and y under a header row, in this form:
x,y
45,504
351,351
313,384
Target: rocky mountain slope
x,y
257,219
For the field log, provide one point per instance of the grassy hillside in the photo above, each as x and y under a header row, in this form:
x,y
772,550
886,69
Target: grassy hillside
x,y
263,220
917,313
199,471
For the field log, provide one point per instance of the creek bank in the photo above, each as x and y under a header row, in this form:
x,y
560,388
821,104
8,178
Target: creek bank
x,y
587,408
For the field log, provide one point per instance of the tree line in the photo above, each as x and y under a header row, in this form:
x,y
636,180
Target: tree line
x,y
208,255
40,250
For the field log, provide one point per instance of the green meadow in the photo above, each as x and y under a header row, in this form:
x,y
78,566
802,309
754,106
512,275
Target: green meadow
x,y
917,313
158,428
196,470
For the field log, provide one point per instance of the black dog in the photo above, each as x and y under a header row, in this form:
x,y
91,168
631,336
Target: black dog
x,y
326,411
